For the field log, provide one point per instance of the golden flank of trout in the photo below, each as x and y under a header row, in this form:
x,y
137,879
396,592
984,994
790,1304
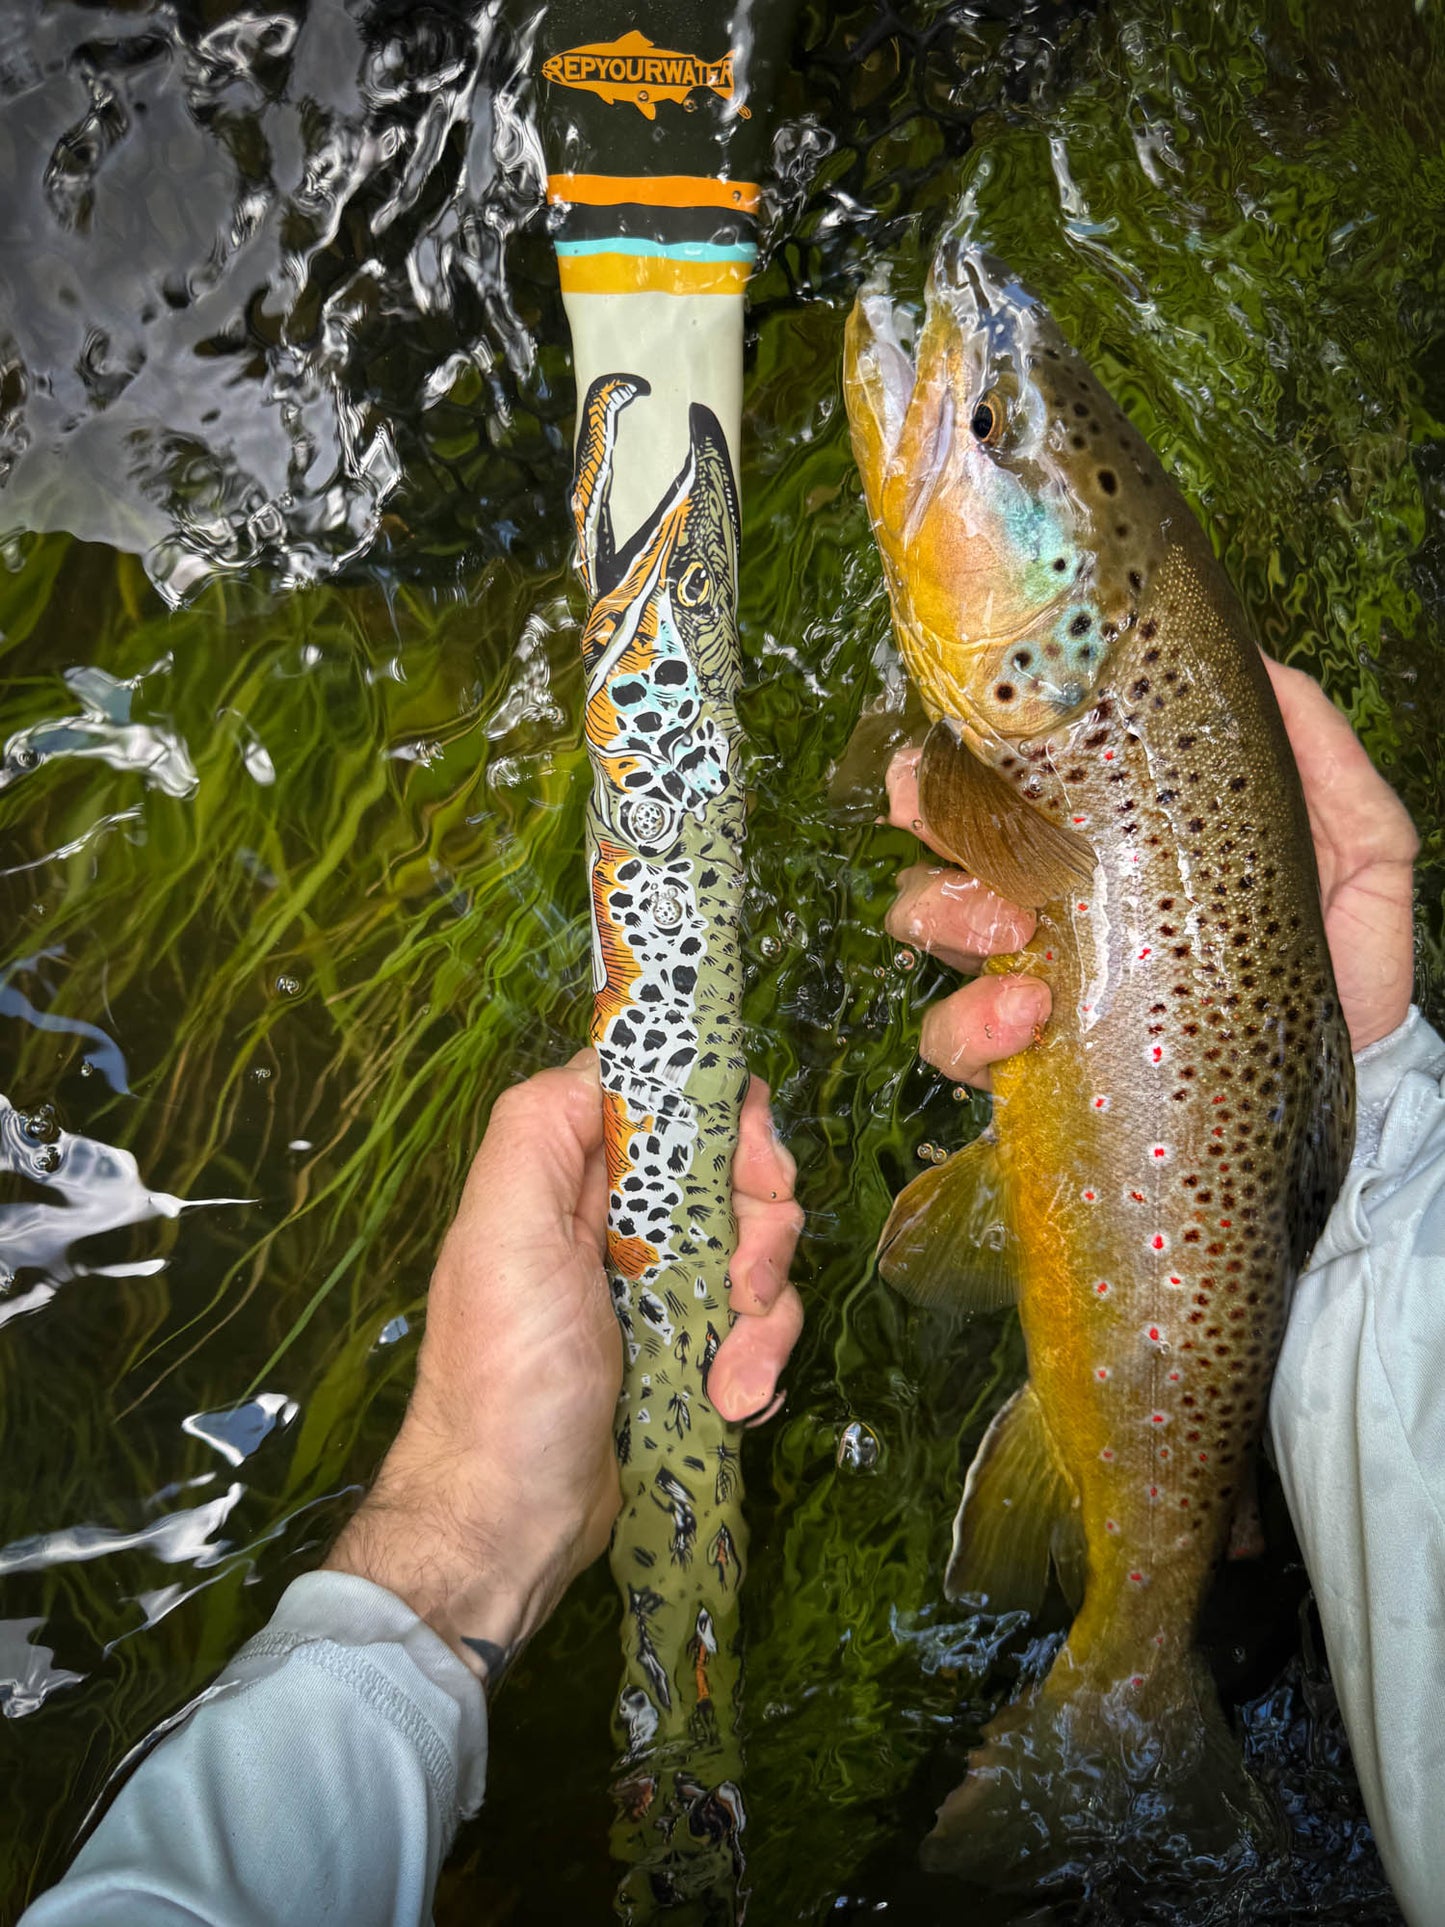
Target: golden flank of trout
x,y
1106,749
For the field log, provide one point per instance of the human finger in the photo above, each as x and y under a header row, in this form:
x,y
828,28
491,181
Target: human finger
x,y
901,782
768,1231
987,1020
751,1358
942,909
528,1176
954,917
763,1166
768,1221
1354,813
905,807
591,1212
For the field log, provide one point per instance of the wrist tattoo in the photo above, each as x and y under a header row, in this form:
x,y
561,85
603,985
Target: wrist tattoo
x,y
495,1658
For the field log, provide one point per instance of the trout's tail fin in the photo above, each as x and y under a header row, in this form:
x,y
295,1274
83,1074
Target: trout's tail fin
x,y
1076,1779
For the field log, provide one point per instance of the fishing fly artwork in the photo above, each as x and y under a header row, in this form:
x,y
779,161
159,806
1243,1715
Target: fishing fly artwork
x,y
1106,750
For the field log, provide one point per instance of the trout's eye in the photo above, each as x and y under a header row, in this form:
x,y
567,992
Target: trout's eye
x,y
694,585
987,420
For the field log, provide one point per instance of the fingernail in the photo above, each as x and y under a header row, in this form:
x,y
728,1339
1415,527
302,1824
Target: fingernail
x,y
774,1405
584,1060
1021,1002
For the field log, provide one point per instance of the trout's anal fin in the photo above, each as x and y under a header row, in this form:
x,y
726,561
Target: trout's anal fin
x,y
1016,1504
947,1244
994,833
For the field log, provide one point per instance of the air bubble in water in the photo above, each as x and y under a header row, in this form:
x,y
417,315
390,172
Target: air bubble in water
x,y
858,1447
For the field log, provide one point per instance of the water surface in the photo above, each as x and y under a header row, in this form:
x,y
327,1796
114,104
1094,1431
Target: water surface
x,y
291,820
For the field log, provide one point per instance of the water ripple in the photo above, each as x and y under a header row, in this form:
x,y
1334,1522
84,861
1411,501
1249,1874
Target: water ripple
x,y
102,1189
185,351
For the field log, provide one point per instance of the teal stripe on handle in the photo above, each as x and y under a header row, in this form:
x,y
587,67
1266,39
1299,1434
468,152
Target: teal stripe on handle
x,y
671,250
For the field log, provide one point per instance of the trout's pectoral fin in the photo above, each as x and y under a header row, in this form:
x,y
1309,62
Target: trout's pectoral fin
x,y
947,1245
1015,1501
983,823
857,784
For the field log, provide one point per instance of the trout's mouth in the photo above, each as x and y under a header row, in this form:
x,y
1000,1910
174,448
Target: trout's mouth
x,y
885,367
975,329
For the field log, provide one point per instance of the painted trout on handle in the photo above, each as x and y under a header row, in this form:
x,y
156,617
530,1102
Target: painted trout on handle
x,y
1105,749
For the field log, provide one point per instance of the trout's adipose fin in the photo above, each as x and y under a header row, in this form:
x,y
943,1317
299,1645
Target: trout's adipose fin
x,y
947,1245
995,833
1017,1509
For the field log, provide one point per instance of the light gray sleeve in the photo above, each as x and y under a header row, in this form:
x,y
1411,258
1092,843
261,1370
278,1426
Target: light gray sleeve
x,y
320,1780
1357,1419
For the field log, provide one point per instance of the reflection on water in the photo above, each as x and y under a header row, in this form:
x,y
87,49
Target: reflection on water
x,y
290,882
104,728
214,234
101,1187
27,1677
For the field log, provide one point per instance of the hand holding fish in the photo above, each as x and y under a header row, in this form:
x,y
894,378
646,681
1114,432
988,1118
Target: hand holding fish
x,y
502,1484
1365,847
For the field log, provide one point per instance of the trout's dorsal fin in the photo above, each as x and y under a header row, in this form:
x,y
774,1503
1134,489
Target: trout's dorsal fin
x,y
1014,1501
947,1244
982,822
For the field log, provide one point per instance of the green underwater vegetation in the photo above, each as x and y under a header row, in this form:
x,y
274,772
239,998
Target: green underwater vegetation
x,y
291,885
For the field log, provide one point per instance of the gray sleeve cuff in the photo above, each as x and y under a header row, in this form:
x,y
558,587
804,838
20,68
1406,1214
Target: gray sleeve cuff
x,y
319,1779
405,1669
1357,1415
1400,1098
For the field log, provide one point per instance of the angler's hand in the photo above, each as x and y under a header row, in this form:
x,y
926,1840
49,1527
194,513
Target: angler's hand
x,y
1365,848
502,1484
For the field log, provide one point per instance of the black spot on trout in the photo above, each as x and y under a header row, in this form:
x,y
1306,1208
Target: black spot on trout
x,y
1162,1160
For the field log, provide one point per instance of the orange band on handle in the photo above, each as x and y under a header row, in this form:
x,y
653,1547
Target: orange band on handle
x,y
653,190
644,274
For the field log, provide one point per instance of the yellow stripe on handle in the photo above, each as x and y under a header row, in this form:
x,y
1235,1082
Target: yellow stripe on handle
x,y
652,190
649,274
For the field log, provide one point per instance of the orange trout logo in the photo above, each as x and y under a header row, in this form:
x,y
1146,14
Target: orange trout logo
x,y
632,68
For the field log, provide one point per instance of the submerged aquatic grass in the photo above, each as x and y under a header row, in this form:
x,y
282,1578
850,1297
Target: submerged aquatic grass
x,y
315,1002
311,863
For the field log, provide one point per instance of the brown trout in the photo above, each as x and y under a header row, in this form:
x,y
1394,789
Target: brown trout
x,y
1106,749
